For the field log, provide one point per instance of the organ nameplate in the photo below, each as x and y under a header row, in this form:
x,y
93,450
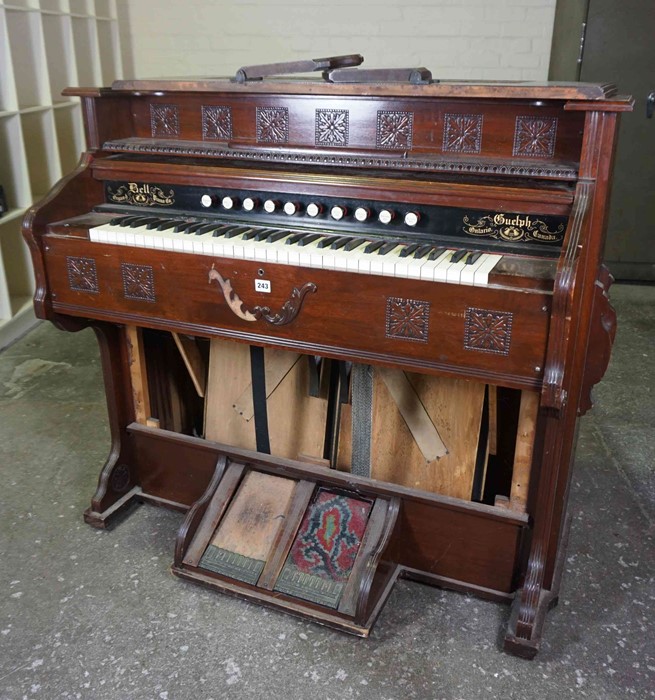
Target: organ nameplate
x,y
263,286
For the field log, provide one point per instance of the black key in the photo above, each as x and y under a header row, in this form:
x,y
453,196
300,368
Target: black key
x,y
341,242
120,220
262,234
276,235
192,228
142,221
205,229
458,255
328,240
422,251
182,226
249,235
408,250
292,240
387,248
220,230
153,224
169,223
436,253
306,240
236,231
372,247
355,243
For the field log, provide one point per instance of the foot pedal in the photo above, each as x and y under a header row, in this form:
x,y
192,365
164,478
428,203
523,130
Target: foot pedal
x,y
302,542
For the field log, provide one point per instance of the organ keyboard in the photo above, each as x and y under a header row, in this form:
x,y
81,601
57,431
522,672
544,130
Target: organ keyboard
x,y
323,250
420,260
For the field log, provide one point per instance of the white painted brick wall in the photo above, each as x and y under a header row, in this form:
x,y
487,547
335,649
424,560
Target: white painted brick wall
x,y
468,39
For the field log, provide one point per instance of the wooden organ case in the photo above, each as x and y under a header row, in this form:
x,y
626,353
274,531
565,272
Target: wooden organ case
x,y
376,302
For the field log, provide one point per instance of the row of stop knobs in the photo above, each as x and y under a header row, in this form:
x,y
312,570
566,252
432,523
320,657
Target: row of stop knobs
x,y
337,212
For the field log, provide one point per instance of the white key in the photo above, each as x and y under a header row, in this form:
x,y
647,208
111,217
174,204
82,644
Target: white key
x,y
390,259
481,277
441,270
428,269
455,270
468,273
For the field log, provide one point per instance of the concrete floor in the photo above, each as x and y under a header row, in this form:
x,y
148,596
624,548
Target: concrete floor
x,y
88,614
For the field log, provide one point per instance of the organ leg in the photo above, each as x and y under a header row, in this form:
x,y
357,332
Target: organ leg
x,y
118,485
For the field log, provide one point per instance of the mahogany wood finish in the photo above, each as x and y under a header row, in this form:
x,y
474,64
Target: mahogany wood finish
x,y
502,148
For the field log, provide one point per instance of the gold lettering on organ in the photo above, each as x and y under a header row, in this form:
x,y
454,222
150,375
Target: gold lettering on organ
x,y
141,195
512,227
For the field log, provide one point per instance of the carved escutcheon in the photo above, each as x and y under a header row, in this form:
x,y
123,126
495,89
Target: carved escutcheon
x,y
286,314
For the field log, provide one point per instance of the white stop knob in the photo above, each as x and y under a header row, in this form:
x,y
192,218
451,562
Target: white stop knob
x,y
361,214
228,203
206,200
385,216
411,218
270,206
313,209
249,204
290,208
337,213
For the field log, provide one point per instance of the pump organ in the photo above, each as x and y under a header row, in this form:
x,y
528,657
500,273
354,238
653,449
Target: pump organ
x,y
422,263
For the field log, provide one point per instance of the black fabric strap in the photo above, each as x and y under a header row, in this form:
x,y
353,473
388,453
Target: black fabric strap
x,y
258,379
314,364
481,456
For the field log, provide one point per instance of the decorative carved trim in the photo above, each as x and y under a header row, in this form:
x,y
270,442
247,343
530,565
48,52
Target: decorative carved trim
x,y
272,125
462,133
285,315
82,274
164,120
216,122
407,319
120,478
394,130
488,331
331,127
138,282
193,148
535,137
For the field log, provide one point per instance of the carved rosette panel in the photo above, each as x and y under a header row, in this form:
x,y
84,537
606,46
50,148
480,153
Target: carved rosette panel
x,y
488,331
394,130
331,127
535,136
216,123
138,282
120,478
82,274
462,133
164,120
272,124
407,319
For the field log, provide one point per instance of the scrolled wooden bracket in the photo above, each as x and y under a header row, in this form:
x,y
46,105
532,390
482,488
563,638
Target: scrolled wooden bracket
x,y
286,314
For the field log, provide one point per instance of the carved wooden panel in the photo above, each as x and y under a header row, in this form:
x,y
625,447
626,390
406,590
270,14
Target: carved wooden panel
x,y
462,133
120,478
272,124
138,282
488,331
216,123
332,127
82,275
394,130
535,136
407,319
164,120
